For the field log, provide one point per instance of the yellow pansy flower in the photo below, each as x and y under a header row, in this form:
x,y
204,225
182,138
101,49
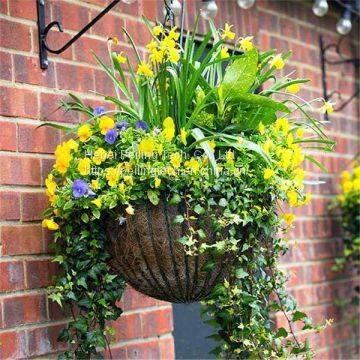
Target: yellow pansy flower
x,y
261,128
100,156
345,175
268,173
160,149
356,184
357,172
157,30
95,184
121,188
50,224
169,133
72,145
121,59
106,123
288,218
293,88
183,135
278,62
171,171
144,69
84,133
112,176
147,147
84,166
157,183
224,53
50,184
175,160
227,33
130,210
169,122
292,197
62,158
347,186
97,202
246,43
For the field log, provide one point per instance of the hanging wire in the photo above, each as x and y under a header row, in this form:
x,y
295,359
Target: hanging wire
x,y
169,15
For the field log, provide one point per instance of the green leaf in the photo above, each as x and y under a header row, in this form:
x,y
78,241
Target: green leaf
x,y
82,282
178,219
176,199
199,209
153,196
240,75
241,274
298,315
281,333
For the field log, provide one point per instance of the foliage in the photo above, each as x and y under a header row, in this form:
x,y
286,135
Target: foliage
x,y
216,139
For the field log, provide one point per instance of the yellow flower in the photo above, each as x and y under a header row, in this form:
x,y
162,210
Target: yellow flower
x,y
282,124
84,166
268,173
174,55
193,165
128,180
224,53
62,158
227,33
130,210
97,202
100,156
106,123
160,149
171,171
167,43
268,145
292,197
72,145
50,185
300,132
285,160
356,184
169,133
112,176
277,62
95,184
147,147
175,160
169,122
289,140
212,145
121,188
288,218
50,224
157,182
357,172
347,186
246,43
307,198
230,157
151,45
328,107
84,133
341,198
345,176
261,128
121,59
183,136
156,56
144,69
115,40
293,88
173,34
157,30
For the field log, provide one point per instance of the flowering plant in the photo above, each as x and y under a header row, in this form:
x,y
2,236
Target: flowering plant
x,y
193,132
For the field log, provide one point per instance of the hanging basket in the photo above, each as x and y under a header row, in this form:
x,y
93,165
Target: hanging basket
x,y
147,254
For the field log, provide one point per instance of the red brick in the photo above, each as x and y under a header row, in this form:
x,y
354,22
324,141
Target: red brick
x,y
13,345
39,273
75,78
27,70
108,26
3,7
157,322
21,240
18,102
6,67
12,275
145,350
83,50
46,167
127,327
9,205
138,31
23,9
56,312
167,349
56,40
15,35
8,136
150,8
133,300
27,309
38,140
33,204
18,170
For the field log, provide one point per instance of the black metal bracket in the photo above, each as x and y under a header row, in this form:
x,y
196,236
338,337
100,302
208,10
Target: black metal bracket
x,y
341,60
43,31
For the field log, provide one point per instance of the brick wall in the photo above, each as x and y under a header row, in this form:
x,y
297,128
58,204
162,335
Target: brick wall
x,y
29,323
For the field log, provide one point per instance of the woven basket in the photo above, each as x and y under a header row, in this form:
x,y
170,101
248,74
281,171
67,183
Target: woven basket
x,y
147,255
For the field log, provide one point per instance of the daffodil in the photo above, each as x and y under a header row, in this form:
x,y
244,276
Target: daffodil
x,y
293,88
347,186
227,33
292,197
328,107
152,45
169,122
120,58
84,133
145,69
288,218
268,173
174,55
84,166
183,135
157,56
246,43
277,62
282,124
173,34
157,30
224,53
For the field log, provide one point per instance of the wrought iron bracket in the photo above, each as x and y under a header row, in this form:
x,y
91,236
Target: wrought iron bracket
x,y
341,60
43,31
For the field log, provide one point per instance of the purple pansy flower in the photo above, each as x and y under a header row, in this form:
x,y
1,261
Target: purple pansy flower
x,y
122,126
80,188
111,136
141,125
99,110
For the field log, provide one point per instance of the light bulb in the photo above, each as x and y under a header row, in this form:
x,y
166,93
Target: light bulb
x,y
343,27
175,6
208,9
320,7
246,4
128,1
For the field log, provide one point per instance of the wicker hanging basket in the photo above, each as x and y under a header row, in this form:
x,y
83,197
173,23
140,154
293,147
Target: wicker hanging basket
x,y
147,255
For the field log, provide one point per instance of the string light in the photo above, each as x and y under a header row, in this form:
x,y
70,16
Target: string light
x,y
246,4
208,9
343,27
320,7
